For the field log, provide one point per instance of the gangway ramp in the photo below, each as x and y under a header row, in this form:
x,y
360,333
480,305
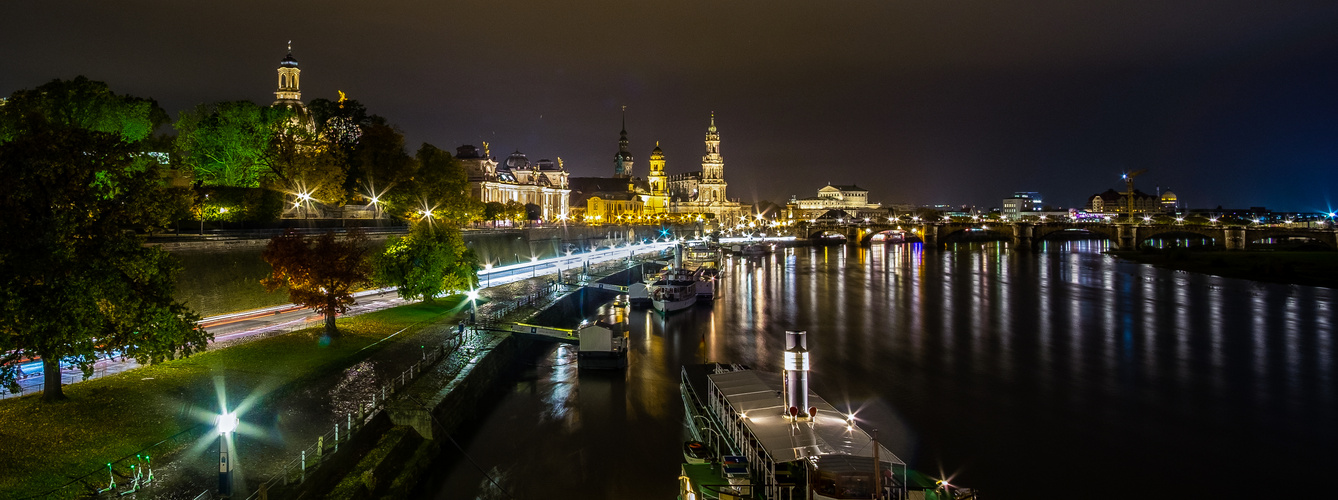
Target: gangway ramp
x,y
564,335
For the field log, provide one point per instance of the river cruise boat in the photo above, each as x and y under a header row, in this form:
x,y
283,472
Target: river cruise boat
x,y
776,440
673,291
701,256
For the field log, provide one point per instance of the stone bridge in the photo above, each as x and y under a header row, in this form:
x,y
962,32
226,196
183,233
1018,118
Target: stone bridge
x,y
1026,235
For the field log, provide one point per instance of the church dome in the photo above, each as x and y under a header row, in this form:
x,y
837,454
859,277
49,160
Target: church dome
x,y
517,161
1168,196
657,153
289,61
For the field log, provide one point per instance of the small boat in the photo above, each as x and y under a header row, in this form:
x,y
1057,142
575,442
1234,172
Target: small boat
x,y
697,452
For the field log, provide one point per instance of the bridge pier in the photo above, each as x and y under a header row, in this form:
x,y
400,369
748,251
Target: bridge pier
x,y
1023,236
929,236
1234,238
1126,237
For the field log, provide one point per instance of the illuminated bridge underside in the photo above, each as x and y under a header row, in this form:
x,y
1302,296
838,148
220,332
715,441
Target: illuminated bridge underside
x,y
1029,234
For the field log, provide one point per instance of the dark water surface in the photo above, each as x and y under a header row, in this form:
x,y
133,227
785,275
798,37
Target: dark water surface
x,y
1057,373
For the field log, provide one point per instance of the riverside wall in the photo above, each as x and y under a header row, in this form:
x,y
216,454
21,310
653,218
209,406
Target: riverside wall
x,y
220,276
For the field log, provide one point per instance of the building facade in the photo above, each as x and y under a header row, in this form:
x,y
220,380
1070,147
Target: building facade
x,y
659,195
1115,202
542,183
1020,204
851,199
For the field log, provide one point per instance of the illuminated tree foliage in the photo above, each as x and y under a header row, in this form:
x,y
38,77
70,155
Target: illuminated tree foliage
x,y
76,283
300,161
321,273
430,261
83,104
227,143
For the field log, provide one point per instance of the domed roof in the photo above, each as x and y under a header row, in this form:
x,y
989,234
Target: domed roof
x,y
657,153
289,61
1167,196
517,160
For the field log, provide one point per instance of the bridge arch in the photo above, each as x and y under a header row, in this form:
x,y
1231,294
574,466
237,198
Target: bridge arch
x,y
1074,232
827,236
1284,237
969,234
889,236
1211,237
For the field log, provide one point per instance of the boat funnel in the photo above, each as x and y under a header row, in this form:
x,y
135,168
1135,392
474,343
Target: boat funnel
x,y
796,374
678,256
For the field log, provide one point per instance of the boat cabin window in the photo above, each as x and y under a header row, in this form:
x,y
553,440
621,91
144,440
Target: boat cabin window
x,y
844,484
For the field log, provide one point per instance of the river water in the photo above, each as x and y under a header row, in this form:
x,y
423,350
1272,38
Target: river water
x,y
1055,373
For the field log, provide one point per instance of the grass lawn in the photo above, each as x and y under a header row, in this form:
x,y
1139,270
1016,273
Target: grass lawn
x,y
45,445
1317,268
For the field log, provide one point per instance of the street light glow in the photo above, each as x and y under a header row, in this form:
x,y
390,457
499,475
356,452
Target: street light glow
x,y
226,423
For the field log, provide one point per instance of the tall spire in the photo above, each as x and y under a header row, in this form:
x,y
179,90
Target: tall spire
x,y
622,161
712,129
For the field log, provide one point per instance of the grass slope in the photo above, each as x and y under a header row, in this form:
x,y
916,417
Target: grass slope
x,y
45,444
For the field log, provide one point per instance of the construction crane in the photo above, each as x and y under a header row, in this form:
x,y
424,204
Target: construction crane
x,y
1129,194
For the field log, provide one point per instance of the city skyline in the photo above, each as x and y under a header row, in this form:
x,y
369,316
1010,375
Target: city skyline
x,y
942,104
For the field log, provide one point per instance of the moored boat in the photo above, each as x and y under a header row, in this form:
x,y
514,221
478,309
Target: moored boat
x,y
781,441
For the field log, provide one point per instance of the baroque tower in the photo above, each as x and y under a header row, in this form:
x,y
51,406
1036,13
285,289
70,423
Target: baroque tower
x,y
712,186
658,201
289,90
622,161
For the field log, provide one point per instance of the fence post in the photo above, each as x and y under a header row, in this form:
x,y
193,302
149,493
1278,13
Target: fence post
x,y
320,449
304,465
336,448
383,394
349,429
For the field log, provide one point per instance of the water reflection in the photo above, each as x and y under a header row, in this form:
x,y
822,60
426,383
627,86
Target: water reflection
x,y
1059,368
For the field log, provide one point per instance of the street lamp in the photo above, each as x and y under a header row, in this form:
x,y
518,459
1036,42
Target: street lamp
x,y
226,423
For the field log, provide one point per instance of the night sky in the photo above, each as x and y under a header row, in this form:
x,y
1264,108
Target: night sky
x,y
1226,102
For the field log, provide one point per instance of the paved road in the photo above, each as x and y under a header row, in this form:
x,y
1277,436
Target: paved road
x,y
237,326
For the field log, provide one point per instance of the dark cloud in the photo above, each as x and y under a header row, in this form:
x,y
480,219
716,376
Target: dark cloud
x,y
1228,102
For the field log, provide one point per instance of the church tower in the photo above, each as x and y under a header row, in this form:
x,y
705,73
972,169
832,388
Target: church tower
x,y
658,201
289,90
622,161
712,186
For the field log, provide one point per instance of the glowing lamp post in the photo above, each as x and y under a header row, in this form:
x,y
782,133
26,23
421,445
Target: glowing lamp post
x,y
226,424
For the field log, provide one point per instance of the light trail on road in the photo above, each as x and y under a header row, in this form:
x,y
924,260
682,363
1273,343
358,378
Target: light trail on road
x,y
288,317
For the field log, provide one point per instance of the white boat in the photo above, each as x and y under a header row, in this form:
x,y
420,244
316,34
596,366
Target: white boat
x,y
672,294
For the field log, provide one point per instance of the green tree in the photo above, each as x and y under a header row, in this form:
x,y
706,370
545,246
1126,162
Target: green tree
x,y
228,143
493,210
83,104
321,273
378,163
430,261
77,282
300,161
513,211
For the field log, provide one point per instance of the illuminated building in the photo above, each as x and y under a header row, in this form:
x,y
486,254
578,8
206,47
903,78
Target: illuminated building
x,y
1112,201
657,202
290,90
703,192
851,199
1021,203
541,183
